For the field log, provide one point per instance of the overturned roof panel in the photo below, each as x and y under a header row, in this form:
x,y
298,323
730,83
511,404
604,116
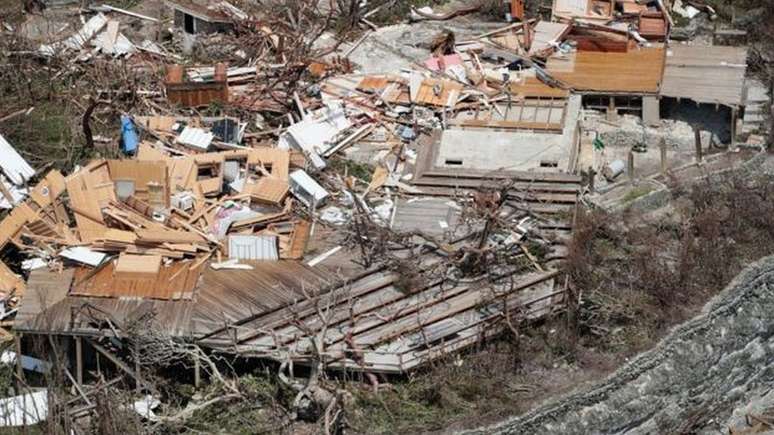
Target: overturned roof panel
x,y
634,72
711,74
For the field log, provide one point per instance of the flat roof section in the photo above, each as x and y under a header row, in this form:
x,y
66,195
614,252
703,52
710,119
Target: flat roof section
x,y
706,74
638,71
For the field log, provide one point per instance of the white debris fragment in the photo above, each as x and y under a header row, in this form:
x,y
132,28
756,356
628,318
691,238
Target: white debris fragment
x,y
13,165
34,264
322,257
8,357
79,39
196,138
83,255
316,133
333,215
306,189
24,410
145,407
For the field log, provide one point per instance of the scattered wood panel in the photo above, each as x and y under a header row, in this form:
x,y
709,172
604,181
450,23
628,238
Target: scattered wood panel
x,y
173,282
274,160
130,266
90,189
373,84
161,236
653,26
50,214
157,123
268,189
442,93
150,179
182,173
298,240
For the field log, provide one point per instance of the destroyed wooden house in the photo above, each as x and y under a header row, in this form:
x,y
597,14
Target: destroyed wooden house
x,y
205,232
185,243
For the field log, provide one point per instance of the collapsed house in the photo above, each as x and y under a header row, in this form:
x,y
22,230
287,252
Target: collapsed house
x,y
249,240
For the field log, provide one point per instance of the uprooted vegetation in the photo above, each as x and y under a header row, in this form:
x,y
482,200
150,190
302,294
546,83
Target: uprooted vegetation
x,y
636,276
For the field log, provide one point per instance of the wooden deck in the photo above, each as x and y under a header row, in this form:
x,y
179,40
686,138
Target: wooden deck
x,y
375,325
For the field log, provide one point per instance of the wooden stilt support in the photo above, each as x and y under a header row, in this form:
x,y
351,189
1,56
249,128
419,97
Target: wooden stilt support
x,y
612,112
663,147
19,369
197,373
630,166
79,360
137,367
697,140
120,364
734,116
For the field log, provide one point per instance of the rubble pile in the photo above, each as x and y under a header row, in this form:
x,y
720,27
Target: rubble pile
x,y
264,193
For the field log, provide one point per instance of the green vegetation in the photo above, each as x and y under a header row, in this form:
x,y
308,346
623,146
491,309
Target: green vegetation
x,y
636,192
349,167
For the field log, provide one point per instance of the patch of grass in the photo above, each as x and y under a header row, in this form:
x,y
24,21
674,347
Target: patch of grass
x,y
636,192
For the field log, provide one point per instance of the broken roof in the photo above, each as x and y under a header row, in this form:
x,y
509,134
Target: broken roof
x,y
706,74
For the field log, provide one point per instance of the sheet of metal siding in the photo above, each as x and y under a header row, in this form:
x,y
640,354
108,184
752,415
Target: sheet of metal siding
x,y
244,247
195,137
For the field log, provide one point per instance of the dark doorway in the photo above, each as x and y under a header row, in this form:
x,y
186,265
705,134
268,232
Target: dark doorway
x,y
188,24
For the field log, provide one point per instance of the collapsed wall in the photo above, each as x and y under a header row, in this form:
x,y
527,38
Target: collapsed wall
x,y
691,380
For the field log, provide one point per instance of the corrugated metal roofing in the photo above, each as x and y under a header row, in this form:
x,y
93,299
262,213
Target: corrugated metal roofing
x,y
706,74
249,247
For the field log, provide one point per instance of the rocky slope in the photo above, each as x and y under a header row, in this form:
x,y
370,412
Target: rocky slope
x,y
691,381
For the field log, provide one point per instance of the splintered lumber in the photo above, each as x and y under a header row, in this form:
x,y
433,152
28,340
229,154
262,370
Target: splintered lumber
x,y
10,283
90,189
155,236
298,240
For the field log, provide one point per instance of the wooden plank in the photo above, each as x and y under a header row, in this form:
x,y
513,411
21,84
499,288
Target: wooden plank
x,y
507,124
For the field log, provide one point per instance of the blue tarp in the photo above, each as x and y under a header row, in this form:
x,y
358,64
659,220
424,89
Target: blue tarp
x,y
129,138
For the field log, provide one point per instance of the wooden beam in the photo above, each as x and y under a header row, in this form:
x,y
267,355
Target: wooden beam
x,y
115,360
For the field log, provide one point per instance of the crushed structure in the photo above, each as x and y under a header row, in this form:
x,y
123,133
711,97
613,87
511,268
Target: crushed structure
x,y
255,235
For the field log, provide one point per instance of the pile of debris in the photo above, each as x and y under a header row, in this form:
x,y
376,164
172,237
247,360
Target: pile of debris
x,y
436,199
